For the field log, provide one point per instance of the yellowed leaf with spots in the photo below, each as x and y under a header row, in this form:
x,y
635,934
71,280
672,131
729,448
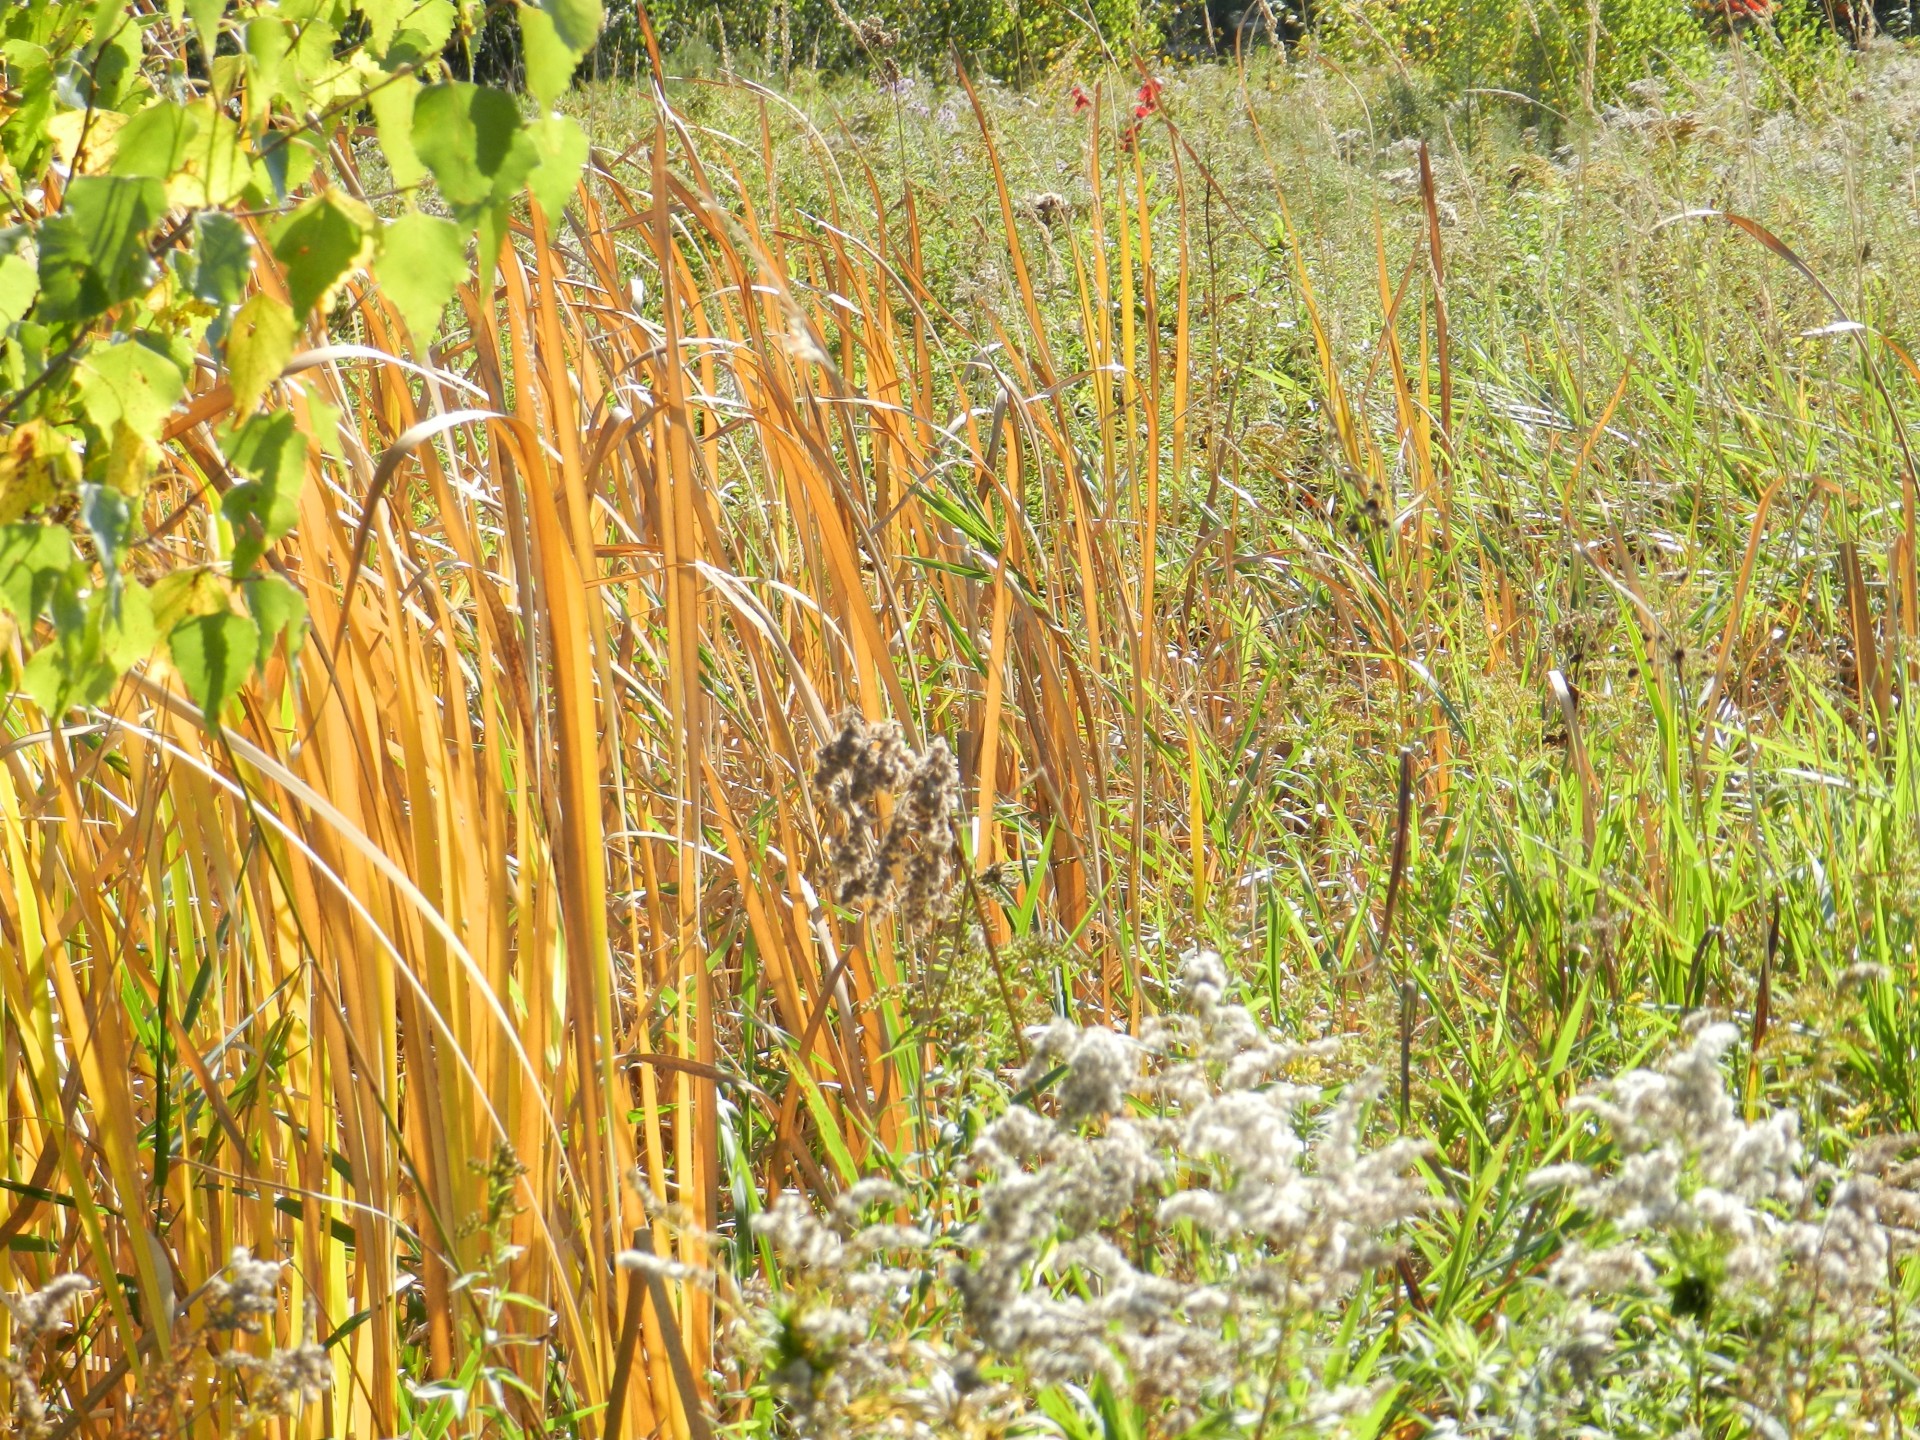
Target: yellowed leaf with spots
x,y
35,465
83,140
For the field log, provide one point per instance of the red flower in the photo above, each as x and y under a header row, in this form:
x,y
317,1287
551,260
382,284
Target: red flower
x,y
1140,112
1148,96
1081,100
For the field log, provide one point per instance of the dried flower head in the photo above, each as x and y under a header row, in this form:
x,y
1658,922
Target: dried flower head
x,y
284,1381
910,863
243,1296
1186,1131
36,1315
1049,207
42,1312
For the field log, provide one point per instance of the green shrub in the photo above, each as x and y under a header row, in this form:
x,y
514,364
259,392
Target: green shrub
x,y
1567,53
1012,39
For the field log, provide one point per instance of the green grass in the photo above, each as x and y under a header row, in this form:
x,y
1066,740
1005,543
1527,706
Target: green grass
x,y
1663,452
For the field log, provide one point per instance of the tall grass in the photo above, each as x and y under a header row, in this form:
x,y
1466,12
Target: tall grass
x,y
507,886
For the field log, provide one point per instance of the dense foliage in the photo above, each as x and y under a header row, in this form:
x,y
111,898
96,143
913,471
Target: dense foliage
x,y
1568,56
148,156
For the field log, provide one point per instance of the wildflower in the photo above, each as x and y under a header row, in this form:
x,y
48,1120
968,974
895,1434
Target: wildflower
x,y
1100,1066
1864,976
1613,1270
1204,977
1559,1177
864,1194
1586,1340
798,1236
1302,1221
1082,101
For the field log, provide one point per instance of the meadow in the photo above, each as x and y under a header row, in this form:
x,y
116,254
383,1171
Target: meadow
x,y
1200,748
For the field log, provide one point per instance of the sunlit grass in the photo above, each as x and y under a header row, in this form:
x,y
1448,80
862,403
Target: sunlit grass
x,y
1170,509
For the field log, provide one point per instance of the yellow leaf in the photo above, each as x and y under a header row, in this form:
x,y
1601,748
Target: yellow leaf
x,y
36,463
258,348
130,461
217,168
88,135
187,595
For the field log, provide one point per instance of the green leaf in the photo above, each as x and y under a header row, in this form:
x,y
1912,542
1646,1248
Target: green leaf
x,y
268,41
422,261
213,654
70,671
19,278
576,22
109,74
320,244
221,260
154,143
219,168
263,508
205,15
550,61
259,344
93,254
562,147
127,633
181,595
288,162
130,383
392,107
34,559
278,609
472,140
405,32
24,136
109,519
